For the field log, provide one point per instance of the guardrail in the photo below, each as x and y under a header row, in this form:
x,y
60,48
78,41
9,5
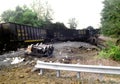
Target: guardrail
x,y
77,68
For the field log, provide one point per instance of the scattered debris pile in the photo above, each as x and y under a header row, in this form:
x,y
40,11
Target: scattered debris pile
x,y
40,50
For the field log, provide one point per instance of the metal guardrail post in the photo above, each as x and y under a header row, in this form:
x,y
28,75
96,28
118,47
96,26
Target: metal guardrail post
x,y
78,75
41,71
100,75
58,73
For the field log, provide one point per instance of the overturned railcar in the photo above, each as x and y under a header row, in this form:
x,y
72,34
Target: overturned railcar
x,y
85,35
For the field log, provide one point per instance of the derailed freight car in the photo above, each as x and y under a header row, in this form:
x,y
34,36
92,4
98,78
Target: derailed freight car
x,y
12,35
85,35
66,34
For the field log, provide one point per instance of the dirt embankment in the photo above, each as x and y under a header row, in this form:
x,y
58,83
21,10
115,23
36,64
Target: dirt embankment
x,y
65,52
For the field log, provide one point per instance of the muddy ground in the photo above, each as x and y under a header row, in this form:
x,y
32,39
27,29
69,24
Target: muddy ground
x,y
65,52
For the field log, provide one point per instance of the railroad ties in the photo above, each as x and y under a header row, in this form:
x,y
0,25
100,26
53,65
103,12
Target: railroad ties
x,y
40,50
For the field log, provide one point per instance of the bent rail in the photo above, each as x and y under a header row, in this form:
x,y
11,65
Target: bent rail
x,y
77,68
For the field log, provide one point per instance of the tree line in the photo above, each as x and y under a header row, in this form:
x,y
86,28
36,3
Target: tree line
x,y
39,15
110,21
110,26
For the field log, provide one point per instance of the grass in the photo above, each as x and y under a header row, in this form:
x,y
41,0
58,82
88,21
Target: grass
x,y
110,52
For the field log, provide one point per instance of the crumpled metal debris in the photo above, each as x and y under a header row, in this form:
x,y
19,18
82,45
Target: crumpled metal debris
x,y
40,49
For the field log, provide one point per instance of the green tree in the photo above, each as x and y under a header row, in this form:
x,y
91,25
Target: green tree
x,y
72,23
43,10
58,25
22,15
6,15
111,18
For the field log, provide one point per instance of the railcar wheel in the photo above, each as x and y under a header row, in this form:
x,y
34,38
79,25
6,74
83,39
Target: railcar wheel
x,y
93,40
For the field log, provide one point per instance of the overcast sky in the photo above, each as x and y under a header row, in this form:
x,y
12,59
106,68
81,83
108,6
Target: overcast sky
x,y
87,12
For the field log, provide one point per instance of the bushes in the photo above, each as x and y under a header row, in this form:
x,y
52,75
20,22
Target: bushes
x,y
111,51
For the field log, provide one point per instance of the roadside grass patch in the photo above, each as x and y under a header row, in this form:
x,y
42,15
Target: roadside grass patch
x,y
110,52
